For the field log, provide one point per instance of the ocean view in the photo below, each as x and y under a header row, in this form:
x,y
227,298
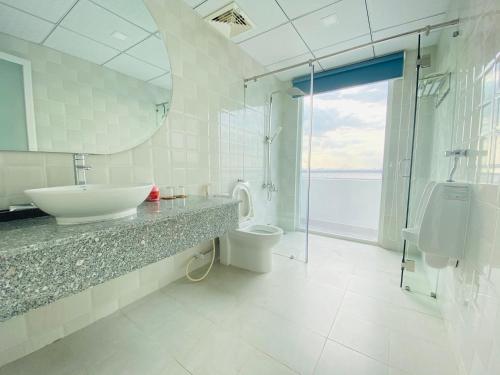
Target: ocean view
x,y
355,174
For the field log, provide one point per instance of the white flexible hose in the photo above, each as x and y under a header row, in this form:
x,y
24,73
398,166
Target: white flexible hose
x,y
209,267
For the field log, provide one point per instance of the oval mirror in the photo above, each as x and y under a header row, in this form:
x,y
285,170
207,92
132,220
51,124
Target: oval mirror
x,y
80,76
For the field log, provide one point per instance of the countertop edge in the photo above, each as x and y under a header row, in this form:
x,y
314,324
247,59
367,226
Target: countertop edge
x,y
42,276
100,232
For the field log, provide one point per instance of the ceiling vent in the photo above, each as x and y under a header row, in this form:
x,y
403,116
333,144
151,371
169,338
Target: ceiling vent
x,y
230,20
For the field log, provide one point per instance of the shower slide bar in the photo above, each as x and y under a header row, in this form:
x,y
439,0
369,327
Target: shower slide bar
x,y
426,30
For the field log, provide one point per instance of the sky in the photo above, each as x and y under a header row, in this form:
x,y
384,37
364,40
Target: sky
x,y
348,127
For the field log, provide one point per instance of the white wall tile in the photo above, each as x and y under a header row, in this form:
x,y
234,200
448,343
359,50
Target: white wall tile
x,y
470,294
208,73
13,332
44,325
80,106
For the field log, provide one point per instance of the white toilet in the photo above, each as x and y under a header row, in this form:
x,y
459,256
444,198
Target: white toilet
x,y
249,246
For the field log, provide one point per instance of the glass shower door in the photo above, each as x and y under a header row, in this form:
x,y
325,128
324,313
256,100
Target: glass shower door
x,y
274,162
435,101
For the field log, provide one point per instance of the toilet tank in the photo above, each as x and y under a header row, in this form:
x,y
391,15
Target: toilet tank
x,y
444,222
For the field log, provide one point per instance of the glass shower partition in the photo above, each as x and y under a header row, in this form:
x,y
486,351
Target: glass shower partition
x,y
435,106
274,160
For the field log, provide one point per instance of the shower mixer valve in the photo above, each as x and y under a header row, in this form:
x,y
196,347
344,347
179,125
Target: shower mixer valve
x,y
270,187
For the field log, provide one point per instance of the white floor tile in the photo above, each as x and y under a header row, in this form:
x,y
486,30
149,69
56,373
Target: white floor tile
x,y
139,356
239,322
54,359
262,364
366,337
174,368
396,371
385,286
221,352
418,356
285,341
212,303
397,318
292,244
153,311
335,273
168,323
336,359
311,305
100,340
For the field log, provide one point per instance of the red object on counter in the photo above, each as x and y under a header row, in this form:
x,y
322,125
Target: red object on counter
x,y
154,195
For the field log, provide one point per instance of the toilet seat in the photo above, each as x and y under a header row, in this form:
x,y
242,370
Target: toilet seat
x,y
241,192
250,246
261,230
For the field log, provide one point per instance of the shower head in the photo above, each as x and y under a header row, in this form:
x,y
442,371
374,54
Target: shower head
x,y
295,92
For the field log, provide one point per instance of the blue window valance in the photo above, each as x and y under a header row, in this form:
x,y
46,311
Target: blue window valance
x,y
377,69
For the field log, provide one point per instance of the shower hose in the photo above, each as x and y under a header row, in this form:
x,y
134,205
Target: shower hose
x,y
209,267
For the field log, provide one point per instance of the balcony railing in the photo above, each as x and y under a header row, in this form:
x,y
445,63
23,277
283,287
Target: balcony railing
x,y
343,206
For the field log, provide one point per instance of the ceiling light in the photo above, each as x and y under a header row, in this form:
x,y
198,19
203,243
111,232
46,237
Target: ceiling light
x,y
118,35
329,20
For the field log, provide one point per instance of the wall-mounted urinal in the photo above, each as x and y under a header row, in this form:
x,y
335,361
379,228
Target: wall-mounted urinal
x,y
441,223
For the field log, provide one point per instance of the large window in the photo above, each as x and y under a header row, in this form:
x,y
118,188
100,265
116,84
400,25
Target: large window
x,y
346,160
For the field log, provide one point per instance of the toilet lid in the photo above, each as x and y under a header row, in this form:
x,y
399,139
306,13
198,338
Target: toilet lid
x,y
241,192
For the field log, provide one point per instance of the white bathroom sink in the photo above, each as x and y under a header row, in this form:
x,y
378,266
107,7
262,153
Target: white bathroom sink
x,y
88,203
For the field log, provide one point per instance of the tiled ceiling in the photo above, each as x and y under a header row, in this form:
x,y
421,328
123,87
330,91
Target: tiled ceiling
x,y
287,32
118,34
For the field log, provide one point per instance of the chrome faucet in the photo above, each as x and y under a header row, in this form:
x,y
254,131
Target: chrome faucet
x,y
456,154
80,169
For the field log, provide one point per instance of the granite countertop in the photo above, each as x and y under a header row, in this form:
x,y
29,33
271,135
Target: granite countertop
x,y
41,261
32,234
